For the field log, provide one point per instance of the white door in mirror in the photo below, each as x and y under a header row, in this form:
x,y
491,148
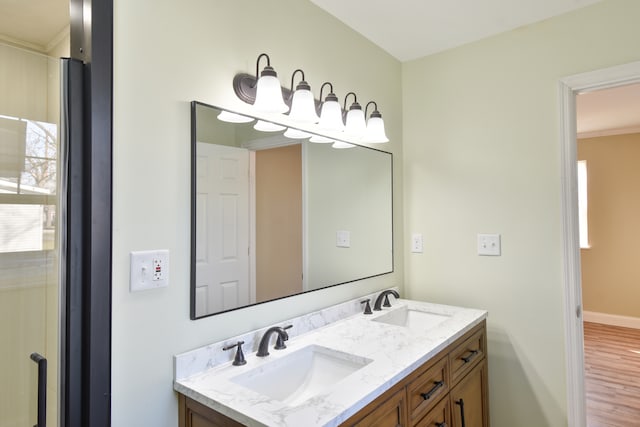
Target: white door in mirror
x,y
149,270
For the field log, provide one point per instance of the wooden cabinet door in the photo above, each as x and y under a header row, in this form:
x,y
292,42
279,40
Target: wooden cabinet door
x,y
469,403
391,413
194,414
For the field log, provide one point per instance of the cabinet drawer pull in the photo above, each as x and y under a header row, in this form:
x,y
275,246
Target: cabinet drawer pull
x,y
468,358
461,404
441,424
436,386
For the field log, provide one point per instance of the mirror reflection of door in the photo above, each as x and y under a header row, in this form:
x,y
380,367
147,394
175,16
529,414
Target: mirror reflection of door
x,y
278,222
222,242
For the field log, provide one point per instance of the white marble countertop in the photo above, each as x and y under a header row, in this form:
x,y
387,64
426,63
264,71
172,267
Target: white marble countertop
x,y
395,352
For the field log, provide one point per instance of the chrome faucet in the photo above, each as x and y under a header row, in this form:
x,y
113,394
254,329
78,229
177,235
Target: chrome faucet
x,y
384,295
263,347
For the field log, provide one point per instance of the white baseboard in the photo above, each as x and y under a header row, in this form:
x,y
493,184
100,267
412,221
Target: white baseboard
x,y
611,319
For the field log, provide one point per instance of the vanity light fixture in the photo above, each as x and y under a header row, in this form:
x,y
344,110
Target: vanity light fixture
x,y
229,117
374,133
303,105
355,125
268,91
267,96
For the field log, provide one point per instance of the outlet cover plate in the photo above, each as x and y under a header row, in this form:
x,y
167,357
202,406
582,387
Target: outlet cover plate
x,y
149,270
417,243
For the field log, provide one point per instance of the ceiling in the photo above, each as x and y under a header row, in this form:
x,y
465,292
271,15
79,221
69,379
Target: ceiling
x,y
407,29
410,29
34,24
609,112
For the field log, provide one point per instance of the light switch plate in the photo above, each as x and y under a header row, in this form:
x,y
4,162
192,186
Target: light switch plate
x,y
149,270
489,245
416,243
343,239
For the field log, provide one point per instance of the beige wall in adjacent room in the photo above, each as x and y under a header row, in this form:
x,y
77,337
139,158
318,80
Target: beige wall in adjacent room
x,y
278,222
610,275
167,54
481,154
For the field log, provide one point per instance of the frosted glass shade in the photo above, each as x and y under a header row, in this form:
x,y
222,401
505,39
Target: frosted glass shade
x,y
375,131
263,126
320,139
296,134
269,96
303,107
226,116
331,117
341,145
355,125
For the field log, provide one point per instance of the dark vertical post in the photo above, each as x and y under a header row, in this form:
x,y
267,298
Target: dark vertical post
x,y
86,376
98,301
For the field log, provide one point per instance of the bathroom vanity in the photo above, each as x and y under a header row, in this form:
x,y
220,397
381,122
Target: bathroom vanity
x,y
412,364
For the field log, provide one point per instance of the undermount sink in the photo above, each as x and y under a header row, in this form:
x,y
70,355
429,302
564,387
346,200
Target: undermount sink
x,y
412,318
297,377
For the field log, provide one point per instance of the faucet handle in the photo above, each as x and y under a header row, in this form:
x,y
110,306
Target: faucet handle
x,y
386,301
367,307
238,360
279,341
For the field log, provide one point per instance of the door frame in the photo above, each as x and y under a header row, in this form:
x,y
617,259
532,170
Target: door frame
x,y
568,88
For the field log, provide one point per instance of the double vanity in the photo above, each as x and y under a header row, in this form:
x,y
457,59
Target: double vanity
x,y
411,364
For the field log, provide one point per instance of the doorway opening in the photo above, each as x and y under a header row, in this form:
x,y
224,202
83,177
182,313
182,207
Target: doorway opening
x,y
569,88
608,149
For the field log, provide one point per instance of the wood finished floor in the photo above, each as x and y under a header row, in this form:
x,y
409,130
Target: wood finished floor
x,y
612,375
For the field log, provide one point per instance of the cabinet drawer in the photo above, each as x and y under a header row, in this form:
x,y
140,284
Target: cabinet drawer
x,y
467,354
428,388
439,416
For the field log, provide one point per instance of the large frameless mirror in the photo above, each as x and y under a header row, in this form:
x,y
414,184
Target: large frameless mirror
x,y
274,216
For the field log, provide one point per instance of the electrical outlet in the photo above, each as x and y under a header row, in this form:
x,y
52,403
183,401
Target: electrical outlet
x,y
149,270
158,269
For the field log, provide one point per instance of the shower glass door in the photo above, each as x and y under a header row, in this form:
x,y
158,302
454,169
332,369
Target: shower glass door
x,y
30,235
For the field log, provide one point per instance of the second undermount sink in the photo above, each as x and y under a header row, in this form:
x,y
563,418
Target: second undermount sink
x,y
297,377
412,318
